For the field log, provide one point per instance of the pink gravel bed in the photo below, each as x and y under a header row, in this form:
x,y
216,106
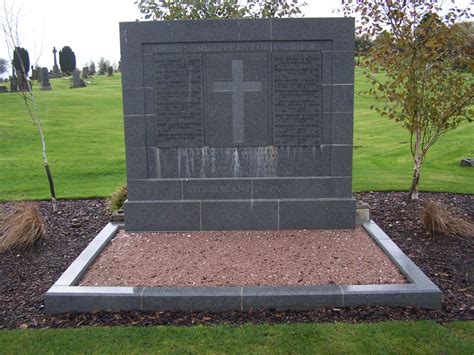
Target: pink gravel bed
x,y
243,258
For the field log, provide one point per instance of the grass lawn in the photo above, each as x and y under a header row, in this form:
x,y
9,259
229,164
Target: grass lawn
x,y
84,137
84,132
424,337
382,158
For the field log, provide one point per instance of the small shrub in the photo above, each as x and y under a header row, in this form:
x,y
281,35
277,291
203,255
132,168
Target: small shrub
x,y
117,199
436,216
20,227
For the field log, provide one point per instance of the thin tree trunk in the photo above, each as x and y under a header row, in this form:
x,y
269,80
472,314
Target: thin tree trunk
x,y
417,154
413,193
51,187
34,114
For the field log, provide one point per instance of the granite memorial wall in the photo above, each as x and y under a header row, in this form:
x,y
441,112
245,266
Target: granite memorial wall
x,y
238,124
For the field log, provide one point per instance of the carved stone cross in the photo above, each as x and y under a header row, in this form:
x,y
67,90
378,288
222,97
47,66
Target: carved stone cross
x,y
54,52
237,87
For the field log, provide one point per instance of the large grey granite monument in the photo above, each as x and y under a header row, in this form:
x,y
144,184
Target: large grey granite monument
x,y
238,124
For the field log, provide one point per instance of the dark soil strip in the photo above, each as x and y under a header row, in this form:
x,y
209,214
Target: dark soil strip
x,y
26,276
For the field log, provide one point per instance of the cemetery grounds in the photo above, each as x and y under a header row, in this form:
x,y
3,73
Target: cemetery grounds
x,y
84,133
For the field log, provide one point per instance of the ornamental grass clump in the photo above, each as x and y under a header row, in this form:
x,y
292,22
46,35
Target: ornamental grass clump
x,y
117,199
437,217
20,227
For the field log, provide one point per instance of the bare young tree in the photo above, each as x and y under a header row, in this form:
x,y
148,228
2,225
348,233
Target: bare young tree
x,y
9,25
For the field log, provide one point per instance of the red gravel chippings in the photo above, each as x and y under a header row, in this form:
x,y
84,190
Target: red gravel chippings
x,y
26,276
243,258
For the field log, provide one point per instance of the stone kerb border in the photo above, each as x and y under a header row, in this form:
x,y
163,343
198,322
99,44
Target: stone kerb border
x,y
66,296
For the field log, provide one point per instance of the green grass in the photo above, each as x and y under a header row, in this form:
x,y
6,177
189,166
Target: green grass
x,y
424,337
382,158
84,132
84,137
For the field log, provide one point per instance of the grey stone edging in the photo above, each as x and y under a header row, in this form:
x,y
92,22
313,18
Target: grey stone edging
x,y
76,270
66,296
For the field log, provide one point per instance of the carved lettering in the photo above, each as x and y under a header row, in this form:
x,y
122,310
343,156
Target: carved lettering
x,y
221,189
178,93
296,98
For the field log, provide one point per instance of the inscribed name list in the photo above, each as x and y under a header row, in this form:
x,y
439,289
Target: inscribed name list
x,y
295,88
296,98
178,95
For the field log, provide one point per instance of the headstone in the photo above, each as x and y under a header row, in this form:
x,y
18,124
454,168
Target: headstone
x,y
45,84
13,83
34,73
85,72
238,124
39,74
3,89
23,82
77,82
56,72
110,71
467,162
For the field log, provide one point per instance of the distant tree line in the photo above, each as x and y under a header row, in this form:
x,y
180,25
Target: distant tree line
x,y
3,65
363,44
214,9
67,60
103,65
21,63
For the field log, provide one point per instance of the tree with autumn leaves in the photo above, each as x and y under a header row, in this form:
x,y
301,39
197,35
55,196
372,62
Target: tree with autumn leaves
x,y
218,9
414,67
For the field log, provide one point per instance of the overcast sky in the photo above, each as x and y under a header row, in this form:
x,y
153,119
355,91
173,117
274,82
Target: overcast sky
x,y
90,27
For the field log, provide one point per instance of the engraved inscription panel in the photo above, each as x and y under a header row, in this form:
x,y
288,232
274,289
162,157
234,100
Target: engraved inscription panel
x,y
179,100
296,98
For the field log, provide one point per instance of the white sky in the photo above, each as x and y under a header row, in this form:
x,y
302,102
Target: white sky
x,y
90,27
